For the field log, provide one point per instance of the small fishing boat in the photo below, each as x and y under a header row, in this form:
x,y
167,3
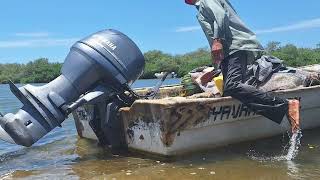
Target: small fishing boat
x,y
172,125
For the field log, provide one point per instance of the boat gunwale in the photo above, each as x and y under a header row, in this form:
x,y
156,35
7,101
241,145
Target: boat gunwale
x,y
173,100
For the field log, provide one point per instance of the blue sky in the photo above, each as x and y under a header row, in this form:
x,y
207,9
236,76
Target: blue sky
x,y
37,28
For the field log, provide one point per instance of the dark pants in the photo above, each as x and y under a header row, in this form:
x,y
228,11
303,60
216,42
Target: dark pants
x,y
234,69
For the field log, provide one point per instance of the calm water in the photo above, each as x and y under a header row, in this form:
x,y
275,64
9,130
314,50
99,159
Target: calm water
x,y
62,155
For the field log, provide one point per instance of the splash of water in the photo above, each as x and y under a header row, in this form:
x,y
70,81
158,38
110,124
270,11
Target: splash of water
x,y
290,151
295,142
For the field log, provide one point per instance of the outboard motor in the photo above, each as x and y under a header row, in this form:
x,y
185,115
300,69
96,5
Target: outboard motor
x,y
99,67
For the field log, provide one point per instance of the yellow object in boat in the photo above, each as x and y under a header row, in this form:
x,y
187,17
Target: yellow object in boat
x,y
219,83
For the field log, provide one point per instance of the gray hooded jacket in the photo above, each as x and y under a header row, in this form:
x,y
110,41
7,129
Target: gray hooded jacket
x,y
219,19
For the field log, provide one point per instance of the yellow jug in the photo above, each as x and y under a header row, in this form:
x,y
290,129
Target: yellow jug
x,y
219,83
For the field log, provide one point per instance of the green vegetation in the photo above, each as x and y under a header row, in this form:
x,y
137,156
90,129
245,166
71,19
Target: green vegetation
x,y
41,71
157,61
38,71
294,56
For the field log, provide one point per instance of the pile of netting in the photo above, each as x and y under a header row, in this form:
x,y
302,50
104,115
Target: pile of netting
x,y
278,77
291,80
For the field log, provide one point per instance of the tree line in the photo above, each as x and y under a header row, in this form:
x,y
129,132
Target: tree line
x,y
42,71
37,71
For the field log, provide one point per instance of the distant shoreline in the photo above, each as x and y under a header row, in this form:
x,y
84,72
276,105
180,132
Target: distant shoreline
x,y
43,71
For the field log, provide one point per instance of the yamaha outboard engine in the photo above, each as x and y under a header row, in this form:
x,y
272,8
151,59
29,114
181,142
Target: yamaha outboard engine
x,y
98,67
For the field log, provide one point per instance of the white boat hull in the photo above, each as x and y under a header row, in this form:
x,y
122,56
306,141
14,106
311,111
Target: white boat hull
x,y
175,126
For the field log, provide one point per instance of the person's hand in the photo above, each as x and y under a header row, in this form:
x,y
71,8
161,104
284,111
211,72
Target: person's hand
x,y
217,52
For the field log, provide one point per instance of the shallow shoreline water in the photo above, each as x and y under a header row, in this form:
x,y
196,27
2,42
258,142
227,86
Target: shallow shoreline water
x,y
62,155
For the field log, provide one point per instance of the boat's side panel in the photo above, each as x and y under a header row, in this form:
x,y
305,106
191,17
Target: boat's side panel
x,y
180,125
213,136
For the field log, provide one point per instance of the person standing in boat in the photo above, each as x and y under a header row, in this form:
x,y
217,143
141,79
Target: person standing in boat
x,y
233,47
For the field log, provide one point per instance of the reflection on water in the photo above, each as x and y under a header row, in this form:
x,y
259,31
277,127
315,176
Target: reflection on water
x,y
62,155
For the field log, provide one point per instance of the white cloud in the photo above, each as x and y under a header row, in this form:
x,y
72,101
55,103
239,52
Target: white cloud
x,y
303,25
188,29
307,24
32,34
48,42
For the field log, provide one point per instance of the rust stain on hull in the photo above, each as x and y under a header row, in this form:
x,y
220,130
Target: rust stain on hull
x,y
174,116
